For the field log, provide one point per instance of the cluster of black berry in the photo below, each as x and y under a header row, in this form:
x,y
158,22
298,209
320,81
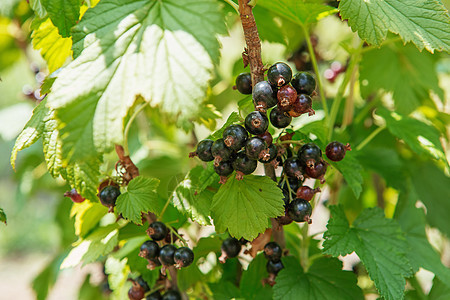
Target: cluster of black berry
x,y
140,288
273,252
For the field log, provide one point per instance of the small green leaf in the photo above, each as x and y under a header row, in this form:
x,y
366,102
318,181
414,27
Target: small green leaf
x,y
379,243
351,169
251,282
324,280
63,13
424,22
3,216
244,207
83,176
140,197
232,119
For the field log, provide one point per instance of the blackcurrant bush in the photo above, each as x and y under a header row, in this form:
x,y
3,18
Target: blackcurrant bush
x,y
74,196
279,119
286,96
171,295
244,83
108,196
220,151
235,137
318,172
273,267
256,123
203,150
300,210
335,151
183,257
224,169
309,154
304,83
166,255
279,74
266,136
293,168
157,231
272,150
243,165
154,296
306,193
230,248
263,96
302,105
149,249
256,148
273,251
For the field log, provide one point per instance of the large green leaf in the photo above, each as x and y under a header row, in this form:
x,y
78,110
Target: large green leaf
x,y
87,215
251,282
140,197
424,22
244,207
351,169
63,13
84,176
324,280
161,50
379,243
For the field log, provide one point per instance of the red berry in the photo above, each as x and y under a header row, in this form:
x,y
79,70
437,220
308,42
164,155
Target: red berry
x,y
74,196
335,151
307,193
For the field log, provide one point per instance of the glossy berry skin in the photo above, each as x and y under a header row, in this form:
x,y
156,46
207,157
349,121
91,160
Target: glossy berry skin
x,y
299,210
335,151
302,105
279,119
319,170
224,168
75,197
273,267
171,295
304,83
231,247
108,195
273,153
157,230
204,150
149,250
154,296
244,83
220,151
166,255
267,137
235,136
244,164
263,95
286,96
256,123
183,257
306,193
273,251
279,74
309,154
293,168
136,293
143,284
256,148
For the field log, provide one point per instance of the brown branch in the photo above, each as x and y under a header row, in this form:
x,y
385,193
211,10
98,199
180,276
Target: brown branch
x,y
131,171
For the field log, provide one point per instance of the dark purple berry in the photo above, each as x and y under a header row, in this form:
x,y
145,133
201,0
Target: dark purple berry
x,y
335,151
256,148
231,247
224,168
304,83
203,150
286,97
272,150
273,267
279,74
309,154
108,196
166,255
136,293
154,296
157,231
220,151
306,193
302,105
183,257
273,251
300,210
279,119
171,295
293,168
263,95
149,249
243,165
294,184
256,123
318,172
266,136
143,284
235,136
244,83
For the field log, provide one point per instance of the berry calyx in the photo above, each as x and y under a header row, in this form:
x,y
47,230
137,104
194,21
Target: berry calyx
x,y
74,196
223,169
304,83
293,168
273,267
335,151
203,150
286,96
231,247
300,210
318,172
244,83
149,250
220,151
273,251
235,136
307,193
309,154
171,295
272,152
108,196
183,257
279,74
263,96
166,255
157,231
256,148
279,119
256,123
243,165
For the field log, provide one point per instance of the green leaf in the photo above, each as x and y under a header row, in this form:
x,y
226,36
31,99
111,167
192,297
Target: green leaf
x,y
439,291
118,272
232,119
63,13
351,169
379,243
140,197
84,176
318,128
117,48
324,280
38,8
54,48
251,282
52,144
224,290
244,207
46,279
87,215
3,216
423,22
412,75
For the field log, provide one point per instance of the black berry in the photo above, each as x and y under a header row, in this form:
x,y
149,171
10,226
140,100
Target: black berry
x,y
273,267
306,193
256,148
143,284
309,154
302,105
279,74
286,97
171,295
244,83
136,293
256,123
273,251
304,83
224,169
235,136
243,165
108,196
318,172
266,136
166,255
157,231
231,247
263,95
272,150
154,296
220,151
149,249
335,151
293,168
203,150
279,119
183,257
300,210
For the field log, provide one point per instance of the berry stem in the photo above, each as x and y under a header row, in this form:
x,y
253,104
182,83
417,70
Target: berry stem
x,y
185,244
234,5
370,137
